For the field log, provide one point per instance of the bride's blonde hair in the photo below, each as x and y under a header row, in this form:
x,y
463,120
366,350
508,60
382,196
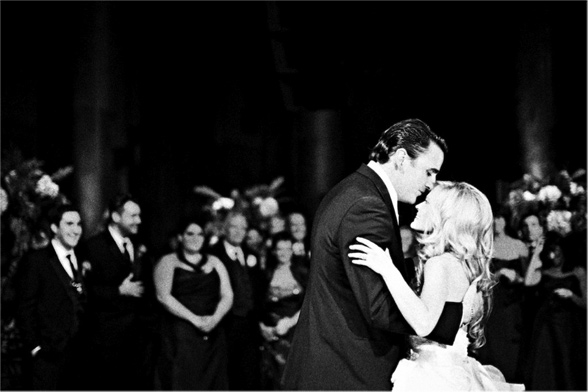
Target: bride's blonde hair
x,y
461,224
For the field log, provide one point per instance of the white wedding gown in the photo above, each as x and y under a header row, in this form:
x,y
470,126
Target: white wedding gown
x,y
436,367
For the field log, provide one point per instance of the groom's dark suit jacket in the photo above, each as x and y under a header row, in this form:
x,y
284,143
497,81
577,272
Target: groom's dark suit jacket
x,y
350,335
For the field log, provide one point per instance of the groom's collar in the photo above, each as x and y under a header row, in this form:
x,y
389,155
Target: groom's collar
x,y
377,168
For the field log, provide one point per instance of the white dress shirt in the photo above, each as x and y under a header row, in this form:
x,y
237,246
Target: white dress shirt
x,y
120,242
377,168
62,254
235,252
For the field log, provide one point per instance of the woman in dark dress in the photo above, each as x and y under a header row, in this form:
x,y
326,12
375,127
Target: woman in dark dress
x,y
286,283
505,324
195,292
557,355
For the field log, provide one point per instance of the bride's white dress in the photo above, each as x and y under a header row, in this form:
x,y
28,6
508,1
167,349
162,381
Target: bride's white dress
x,y
436,367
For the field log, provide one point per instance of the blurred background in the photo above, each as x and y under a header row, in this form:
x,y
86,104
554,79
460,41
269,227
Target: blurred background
x,y
155,98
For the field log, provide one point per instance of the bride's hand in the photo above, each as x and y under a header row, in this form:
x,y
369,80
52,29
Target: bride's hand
x,y
371,255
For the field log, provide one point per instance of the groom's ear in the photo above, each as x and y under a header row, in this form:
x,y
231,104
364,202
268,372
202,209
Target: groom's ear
x,y
399,157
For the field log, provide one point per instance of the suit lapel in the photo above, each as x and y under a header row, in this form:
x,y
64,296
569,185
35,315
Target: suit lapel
x,y
396,246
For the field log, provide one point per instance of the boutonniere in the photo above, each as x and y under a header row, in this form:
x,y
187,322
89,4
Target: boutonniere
x,y
141,250
86,267
251,261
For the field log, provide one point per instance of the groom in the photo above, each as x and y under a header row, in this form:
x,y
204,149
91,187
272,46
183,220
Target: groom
x,y
351,335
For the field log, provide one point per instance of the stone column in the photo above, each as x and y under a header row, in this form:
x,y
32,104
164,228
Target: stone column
x,y
91,155
535,93
321,159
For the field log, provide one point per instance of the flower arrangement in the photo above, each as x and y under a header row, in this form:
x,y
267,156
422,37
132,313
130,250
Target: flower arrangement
x,y
259,203
559,201
27,194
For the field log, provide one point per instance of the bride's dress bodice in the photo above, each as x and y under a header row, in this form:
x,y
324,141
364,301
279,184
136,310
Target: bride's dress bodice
x,y
438,344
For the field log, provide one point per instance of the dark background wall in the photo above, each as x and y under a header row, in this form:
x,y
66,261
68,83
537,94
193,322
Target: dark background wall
x,y
157,97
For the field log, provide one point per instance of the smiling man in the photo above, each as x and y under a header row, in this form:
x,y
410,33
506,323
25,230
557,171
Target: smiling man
x,y
51,299
121,302
350,332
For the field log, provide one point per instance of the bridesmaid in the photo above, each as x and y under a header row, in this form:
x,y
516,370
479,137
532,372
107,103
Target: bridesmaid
x,y
195,292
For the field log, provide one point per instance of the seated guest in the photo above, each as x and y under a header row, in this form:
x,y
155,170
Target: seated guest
x,y
195,291
286,282
51,300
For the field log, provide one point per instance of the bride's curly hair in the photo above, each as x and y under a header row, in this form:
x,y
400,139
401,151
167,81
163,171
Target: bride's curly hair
x,y
463,227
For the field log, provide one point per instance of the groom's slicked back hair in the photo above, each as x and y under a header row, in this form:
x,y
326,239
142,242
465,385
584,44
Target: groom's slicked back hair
x,y
413,135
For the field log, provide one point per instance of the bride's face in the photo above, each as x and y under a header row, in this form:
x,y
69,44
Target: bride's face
x,y
423,216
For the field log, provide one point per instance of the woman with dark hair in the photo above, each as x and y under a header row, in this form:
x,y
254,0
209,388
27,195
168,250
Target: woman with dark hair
x,y
286,276
195,292
556,359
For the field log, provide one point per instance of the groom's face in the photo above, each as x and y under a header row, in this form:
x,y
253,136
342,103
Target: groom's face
x,y
419,174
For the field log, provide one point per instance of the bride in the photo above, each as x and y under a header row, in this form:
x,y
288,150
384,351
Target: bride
x,y
454,286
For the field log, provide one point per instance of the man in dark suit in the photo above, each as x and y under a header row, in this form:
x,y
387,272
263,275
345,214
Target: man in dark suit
x,y
121,302
51,299
350,335
242,321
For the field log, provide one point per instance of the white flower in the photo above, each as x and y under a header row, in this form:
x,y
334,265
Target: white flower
x,y
3,200
251,261
559,221
223,203
528,196
46,186
549,193
257,201
576,189
268,207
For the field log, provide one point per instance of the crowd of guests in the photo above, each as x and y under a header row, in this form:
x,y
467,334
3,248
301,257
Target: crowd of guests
x,y
216,312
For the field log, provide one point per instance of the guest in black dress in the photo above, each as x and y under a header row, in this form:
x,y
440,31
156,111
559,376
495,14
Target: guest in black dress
x,y
505,324
195,291
286,282
557,356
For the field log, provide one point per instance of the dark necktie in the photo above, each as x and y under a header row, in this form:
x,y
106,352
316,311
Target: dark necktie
x,y
239,256
126,252
74,270
76,281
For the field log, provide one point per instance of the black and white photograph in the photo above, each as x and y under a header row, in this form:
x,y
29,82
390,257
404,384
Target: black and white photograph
x,y
293,195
